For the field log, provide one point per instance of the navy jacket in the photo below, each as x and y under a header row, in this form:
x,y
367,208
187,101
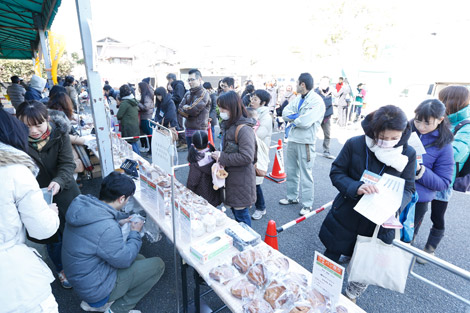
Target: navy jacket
x,y
328,101
342,224
178,92
93,248
166,112
439,164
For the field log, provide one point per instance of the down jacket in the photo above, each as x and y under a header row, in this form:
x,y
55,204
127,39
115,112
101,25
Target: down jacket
x,y
197,115
56,163
24,278
93,248
461,143
240,185
439,166
16,93
342,224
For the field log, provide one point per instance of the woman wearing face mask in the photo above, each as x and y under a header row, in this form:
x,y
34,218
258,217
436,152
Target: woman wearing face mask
x,y
237,155
383,149
50,147
259,102
434,169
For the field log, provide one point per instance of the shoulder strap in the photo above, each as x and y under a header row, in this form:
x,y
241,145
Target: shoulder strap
x,y
460,125
237,131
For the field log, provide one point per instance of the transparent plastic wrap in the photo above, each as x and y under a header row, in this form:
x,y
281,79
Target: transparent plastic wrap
x,y
320,303
277,265
275,294
223,273
258,275
243,289
341,309
150,228
197,228
257,306
243,236
245,259
220,217
302,307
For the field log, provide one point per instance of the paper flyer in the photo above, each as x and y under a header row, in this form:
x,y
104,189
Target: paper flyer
x,y
378,207
327,277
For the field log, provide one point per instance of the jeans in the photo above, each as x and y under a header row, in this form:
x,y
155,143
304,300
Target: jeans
x,y
134,282
54,250
242,215
147,130
189,141
135,147
259,205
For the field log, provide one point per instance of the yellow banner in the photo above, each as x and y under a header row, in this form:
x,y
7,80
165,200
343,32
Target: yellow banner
x,y
37,65
57,47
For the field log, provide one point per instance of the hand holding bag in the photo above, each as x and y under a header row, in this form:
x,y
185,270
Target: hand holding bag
x,y
377,263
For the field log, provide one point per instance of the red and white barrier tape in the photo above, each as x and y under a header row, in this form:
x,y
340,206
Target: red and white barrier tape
x,y
303,218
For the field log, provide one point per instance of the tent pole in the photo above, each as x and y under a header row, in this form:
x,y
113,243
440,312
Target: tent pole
x,y
103,134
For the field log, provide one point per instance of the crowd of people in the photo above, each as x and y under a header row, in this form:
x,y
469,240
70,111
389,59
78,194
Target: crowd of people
x,y
83,233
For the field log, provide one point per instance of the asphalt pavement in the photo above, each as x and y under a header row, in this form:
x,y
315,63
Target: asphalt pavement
x,y
301,241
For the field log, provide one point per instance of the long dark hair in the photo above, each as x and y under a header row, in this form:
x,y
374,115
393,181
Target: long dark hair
x,y
231,101
160,91
200,140
34,112
145,91
435,109
13,132
61,102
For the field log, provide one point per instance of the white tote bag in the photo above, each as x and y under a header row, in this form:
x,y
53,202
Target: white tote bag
x,y
377,263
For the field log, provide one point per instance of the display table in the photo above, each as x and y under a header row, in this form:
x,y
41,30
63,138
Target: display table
x,y
183,247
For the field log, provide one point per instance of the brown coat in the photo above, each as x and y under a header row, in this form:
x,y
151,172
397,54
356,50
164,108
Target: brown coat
x,y
197,115
240,185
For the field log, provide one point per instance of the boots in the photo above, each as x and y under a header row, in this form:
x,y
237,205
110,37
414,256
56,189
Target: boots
x,y
435,237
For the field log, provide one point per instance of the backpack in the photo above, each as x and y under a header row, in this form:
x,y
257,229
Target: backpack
x,y
260,172
462,178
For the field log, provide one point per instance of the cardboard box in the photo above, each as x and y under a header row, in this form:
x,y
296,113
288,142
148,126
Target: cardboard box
x,y
211,247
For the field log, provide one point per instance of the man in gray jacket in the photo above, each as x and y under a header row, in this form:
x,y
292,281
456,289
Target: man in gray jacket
x,y
16,92
105,269
305,114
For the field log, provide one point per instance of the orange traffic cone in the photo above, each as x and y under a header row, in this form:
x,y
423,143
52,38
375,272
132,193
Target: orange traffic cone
x,y
271,235
211,138
278,175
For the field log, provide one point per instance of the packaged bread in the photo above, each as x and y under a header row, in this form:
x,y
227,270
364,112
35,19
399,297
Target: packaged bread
x,y
257,306
243,289
273,294
301,309
257,275
244,260
223,273
341,309
277,265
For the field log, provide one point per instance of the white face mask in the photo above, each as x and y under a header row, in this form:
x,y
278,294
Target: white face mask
x,y
387,144
224,116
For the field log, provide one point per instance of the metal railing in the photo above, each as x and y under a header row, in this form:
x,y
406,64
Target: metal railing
x,y
440,263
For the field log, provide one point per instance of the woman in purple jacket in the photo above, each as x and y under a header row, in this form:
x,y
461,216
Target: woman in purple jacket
x,y
435,168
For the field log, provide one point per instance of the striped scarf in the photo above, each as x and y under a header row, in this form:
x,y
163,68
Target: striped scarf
x,y
39,143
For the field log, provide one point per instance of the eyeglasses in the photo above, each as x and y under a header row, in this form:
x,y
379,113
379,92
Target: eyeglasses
x,y
191,79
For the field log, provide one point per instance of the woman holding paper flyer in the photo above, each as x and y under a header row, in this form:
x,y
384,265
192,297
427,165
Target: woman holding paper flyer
x,y
359,165
434,169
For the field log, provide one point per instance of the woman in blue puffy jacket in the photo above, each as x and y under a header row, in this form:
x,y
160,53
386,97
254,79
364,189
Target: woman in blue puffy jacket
x,y
434,168
456,100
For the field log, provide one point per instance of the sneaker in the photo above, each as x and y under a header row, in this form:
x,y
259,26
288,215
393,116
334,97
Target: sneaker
x,y
258,214
288,201
305,210
63,280
86,307
142,149
423,261
328,155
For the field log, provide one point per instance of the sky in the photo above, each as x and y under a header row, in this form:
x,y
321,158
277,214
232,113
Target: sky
x,y
270,30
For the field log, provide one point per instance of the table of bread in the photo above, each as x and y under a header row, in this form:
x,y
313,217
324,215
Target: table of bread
x,y
257,279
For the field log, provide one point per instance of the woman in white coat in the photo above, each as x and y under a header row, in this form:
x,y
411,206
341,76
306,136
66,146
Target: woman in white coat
x,y
264,130
24,278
